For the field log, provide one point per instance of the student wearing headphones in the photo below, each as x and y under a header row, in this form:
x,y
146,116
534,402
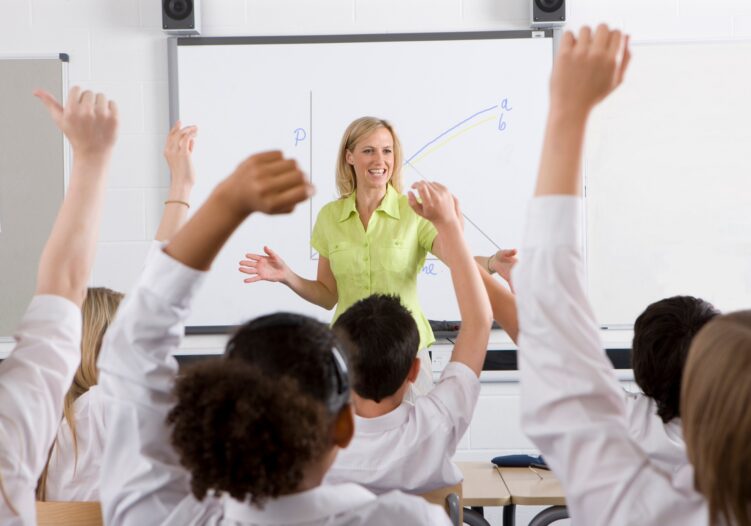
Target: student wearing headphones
x,y
246,439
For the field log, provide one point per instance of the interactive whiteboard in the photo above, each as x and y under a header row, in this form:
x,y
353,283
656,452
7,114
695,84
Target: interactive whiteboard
x,y
469,108
668,174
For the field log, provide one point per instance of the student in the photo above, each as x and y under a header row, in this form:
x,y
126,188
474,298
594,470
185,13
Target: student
x,y
39,370
662,336
572,404
253,434
72,471
397,444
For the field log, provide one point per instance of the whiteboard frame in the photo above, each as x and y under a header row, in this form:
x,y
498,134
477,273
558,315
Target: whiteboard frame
x,y
173,84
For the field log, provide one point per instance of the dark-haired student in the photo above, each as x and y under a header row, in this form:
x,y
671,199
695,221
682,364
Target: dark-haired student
x,y
398,444
572,403
243,440
662,337
39,370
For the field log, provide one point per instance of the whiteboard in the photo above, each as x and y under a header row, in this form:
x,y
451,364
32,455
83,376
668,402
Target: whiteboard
x,y
668,181
469,108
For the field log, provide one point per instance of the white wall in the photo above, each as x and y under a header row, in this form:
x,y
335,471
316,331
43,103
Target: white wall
x,y
117,46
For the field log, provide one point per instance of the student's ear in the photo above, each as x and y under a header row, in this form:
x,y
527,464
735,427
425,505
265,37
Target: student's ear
x,y
344,426
349,157
414,371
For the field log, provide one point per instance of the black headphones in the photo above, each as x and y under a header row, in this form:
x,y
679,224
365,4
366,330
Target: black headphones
x,y
339,391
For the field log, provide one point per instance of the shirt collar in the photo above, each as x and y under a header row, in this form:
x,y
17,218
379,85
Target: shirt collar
x,y
389,204
315,504
391,420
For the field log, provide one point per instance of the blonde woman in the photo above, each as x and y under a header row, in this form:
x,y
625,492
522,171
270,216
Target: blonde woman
x,y
72,471
369,240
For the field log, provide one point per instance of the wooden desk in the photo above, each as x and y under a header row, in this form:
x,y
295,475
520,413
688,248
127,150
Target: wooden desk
x,y
487,485
533,488
483,485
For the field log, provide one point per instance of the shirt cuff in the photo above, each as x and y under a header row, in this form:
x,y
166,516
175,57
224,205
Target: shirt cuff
x,y
62,315
171,280
459,369
554,220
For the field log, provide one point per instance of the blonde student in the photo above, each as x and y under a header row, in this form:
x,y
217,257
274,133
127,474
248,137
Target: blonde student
x,y
72,471
245,439
39,370
397,444
572,404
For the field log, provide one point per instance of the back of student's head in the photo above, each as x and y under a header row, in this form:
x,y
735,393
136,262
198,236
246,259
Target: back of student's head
x,y
385,341
98,312
715,405
662,336
251,423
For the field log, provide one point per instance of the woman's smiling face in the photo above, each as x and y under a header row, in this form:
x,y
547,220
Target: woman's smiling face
x,y
373,159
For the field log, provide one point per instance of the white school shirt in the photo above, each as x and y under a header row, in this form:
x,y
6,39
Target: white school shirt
x,y
410,448
71,479
663,443
142,481
33,383
572,404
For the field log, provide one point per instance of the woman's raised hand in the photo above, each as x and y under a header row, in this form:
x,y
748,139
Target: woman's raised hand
x,y
269,267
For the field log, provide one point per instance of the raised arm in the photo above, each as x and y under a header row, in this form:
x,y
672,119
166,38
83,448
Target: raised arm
x,y
439,206
572,404
39,371
178,151
89,122
503,304
143,482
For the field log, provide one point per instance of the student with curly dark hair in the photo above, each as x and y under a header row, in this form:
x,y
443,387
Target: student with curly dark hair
x,y
244,440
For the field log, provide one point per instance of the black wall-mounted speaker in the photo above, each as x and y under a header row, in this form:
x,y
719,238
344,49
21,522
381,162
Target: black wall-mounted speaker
x,y
181,17
548,13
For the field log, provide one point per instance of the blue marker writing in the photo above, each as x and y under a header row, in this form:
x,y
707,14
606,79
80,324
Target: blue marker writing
x,y
300,135
429,270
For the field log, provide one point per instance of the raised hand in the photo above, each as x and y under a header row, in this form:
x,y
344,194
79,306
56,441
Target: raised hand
x,y
89,121
178,151
266,182
436,204
589,67
502,262
270,267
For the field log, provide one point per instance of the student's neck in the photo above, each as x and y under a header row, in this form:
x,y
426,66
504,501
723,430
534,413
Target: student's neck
x,y
313,474
371,409
367,200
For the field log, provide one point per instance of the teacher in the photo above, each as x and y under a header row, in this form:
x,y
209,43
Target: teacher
x,y
369,240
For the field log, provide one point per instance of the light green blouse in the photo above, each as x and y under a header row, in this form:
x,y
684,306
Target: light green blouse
x,y
384,259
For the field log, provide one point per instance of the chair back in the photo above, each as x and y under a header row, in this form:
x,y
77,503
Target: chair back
x,y
450,498
69,514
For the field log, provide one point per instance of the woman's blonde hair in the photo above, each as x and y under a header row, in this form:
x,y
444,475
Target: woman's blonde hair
x,y
715,401
98,311
346,182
